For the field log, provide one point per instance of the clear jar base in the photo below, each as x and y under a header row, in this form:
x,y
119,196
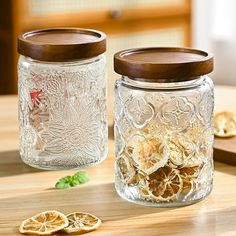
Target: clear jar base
x,y
60,167
163,204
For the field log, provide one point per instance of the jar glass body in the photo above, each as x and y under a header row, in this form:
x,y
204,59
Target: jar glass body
x,y
164,141
62,113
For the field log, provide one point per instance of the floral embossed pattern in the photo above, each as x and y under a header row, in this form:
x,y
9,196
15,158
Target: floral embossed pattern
x,y
164,141
139,111
63,121
205,105
177,113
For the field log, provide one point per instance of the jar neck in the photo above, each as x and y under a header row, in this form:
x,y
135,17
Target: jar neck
x,y
77,62
193,82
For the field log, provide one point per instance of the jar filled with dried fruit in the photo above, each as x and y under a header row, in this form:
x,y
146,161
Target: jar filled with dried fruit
x,y
163,126
62,98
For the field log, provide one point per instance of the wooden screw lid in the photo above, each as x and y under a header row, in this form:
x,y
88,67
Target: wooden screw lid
x,y
62,44
163,65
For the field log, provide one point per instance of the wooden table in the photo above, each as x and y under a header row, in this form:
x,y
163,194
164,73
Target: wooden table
x,y
25,191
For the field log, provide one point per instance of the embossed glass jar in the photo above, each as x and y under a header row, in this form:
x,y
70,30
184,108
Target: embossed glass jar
x,y
62,98
163,126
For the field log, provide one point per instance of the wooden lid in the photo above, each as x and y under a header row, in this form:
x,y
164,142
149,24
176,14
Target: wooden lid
x,y
163,65
61,44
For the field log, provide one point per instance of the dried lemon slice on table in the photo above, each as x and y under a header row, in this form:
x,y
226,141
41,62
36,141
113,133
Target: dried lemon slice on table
x,y
149,153
44,223
225,124
82,222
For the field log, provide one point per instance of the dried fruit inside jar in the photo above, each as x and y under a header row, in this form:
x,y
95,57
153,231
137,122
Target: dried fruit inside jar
x,y
164,168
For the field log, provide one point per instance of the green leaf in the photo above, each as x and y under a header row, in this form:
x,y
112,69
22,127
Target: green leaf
x,y
61,185
80,177
65,182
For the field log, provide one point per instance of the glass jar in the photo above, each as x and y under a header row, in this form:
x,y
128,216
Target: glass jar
x,y
163,126
62,98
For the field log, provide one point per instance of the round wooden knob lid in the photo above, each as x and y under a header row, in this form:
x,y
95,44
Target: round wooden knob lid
x,y
163,65
62,44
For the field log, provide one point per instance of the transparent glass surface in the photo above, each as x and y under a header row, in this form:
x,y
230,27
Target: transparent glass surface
x,y
62,113
164,141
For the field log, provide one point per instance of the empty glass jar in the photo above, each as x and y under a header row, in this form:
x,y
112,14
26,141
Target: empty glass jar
x,y
62,98
163,126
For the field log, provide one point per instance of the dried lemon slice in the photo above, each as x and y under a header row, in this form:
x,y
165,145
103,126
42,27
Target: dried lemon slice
x,y
186,150
127,172
149,153
165,183
126,169
189,176
225,124
81,222
189,172
44,223
162,185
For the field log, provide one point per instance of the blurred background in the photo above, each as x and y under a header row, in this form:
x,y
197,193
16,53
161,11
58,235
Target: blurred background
x,y
203,24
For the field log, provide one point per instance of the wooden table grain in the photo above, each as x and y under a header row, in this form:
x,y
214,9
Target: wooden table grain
x,y
25,191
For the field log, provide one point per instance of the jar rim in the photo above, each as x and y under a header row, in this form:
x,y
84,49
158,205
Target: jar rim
x,y
61,44
163,64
